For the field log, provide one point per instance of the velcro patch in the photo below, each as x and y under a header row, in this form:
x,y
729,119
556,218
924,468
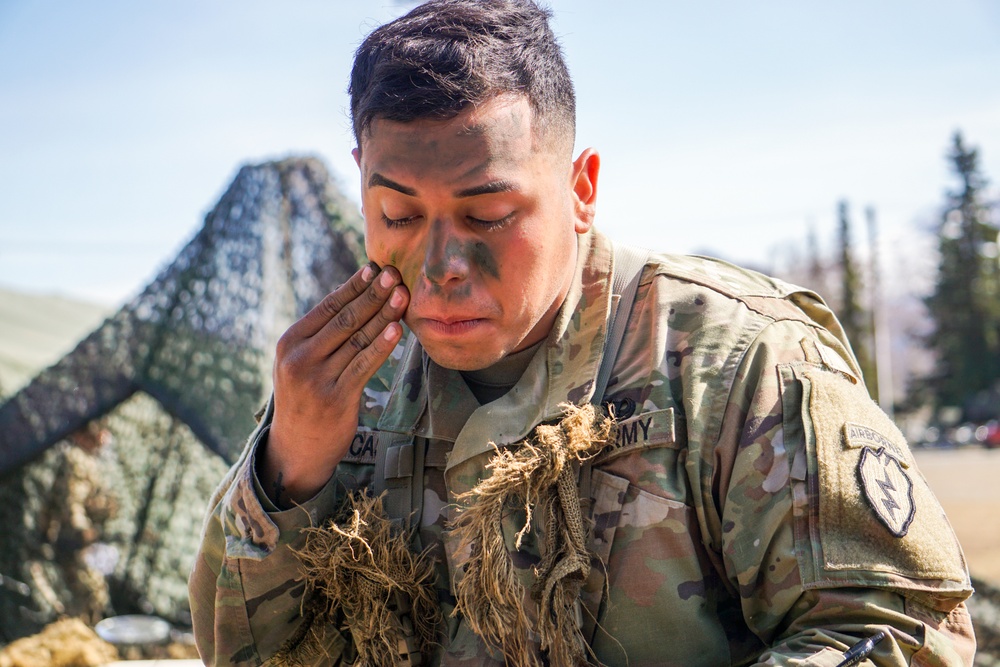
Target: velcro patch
x,y
871,517
644,431
363,448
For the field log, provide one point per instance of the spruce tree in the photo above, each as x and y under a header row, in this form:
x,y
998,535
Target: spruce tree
x,y
965,303
852,314
816,269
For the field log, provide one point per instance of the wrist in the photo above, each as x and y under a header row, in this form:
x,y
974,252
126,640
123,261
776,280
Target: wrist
x,y
289,480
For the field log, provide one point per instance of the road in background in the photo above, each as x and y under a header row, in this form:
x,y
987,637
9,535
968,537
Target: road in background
x,y
966,482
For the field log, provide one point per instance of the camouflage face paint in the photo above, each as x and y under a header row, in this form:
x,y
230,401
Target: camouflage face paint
x,y
478,290
459,293
474,254
483,259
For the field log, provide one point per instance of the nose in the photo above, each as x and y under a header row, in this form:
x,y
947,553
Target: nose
x,y
445,258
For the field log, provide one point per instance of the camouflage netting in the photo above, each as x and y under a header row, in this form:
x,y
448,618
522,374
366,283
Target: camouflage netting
x,y
107,459
984,607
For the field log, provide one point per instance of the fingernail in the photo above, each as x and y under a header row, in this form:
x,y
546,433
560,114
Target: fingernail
x,y
367,273
389,332
396,300
386,279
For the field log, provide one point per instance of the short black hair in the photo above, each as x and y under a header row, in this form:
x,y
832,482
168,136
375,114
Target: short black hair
x,y
445,55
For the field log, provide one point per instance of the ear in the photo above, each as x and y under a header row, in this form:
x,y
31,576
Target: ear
x,y
584,186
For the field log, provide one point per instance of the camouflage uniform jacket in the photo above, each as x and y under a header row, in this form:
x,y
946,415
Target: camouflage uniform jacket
x,y
756,508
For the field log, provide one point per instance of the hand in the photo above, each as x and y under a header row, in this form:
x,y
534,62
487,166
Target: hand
x,y
321,367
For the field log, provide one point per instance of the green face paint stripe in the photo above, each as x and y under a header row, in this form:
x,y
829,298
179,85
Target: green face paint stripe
x,y
483,258
436,271
477,253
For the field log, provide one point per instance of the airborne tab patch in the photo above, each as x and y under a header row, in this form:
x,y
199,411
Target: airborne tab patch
x,y
888,488
858,436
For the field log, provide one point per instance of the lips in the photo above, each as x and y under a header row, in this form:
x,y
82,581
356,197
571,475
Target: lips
x,y
443,315
440,323
449,319
451,326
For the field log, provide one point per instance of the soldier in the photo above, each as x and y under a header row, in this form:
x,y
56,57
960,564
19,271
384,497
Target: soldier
x,y
568,456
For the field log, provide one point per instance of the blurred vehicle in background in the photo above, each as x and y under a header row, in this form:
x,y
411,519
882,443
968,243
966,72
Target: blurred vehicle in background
x,y
963,435
991,434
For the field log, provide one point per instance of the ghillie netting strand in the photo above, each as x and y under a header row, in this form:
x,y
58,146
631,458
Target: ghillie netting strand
x,y
539,476
360,567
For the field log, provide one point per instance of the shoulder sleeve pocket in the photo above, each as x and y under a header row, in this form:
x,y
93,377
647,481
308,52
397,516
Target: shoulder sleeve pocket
x,y
868,515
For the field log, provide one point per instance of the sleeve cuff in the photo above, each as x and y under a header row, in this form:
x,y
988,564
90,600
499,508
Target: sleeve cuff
x,y
256,526
265,502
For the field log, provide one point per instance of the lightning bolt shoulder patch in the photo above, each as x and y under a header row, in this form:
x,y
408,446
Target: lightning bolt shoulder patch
x,y
888,489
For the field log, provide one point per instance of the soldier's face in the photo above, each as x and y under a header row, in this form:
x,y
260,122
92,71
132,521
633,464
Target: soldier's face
x,y
480,216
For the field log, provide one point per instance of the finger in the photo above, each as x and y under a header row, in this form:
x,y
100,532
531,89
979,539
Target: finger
x,y
364,365
313,322
391,311
356,314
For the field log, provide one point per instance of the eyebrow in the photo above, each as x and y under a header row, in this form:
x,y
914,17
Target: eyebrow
x,y
493,187
488,189
377,179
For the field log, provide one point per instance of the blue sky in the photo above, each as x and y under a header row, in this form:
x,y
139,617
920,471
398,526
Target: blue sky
x,y
723,126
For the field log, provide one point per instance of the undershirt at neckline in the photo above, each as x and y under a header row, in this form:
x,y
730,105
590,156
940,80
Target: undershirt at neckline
x,y
489,384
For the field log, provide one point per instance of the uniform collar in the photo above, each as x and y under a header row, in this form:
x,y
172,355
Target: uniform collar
x,y
563,370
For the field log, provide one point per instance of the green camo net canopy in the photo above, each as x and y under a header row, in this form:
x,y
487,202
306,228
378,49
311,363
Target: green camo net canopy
x,y
108,458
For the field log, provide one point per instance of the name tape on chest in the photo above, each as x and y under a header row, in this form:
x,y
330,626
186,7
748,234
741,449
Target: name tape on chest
x,y
644,431
363,448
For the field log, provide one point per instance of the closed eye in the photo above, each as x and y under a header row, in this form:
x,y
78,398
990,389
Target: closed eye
x,y
491,225
398,222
